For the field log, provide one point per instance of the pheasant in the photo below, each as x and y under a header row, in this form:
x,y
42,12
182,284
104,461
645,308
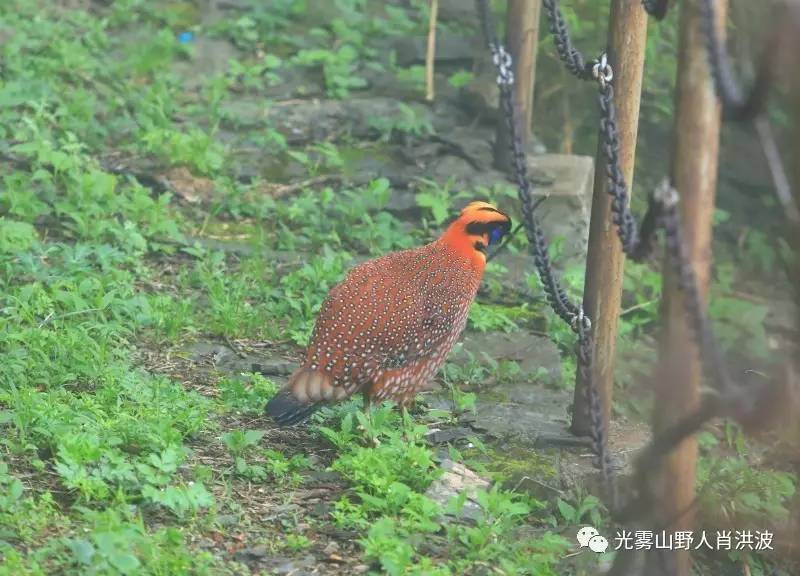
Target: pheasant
x,y
387,328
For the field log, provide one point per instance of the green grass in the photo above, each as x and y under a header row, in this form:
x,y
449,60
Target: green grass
x,y
390,467
98,466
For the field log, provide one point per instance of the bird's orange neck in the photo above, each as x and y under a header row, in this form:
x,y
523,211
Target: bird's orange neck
x,y
456,239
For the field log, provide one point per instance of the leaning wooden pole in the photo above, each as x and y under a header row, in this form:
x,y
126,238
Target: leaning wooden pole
x,y
794,370
626,49
794,65
522,37
694,174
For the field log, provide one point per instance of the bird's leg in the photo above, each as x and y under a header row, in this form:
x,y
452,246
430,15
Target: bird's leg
x,y
454,411
404,416
368,414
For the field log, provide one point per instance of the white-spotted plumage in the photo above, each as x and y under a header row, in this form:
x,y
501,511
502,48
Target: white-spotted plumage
x,y
387,328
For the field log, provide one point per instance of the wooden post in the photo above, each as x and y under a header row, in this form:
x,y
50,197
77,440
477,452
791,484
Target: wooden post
x,y
626,49
793,62
794,78
522,36
694,173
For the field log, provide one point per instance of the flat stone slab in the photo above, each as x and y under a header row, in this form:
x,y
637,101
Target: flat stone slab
x,y
531,351
523,413
317,119
450,48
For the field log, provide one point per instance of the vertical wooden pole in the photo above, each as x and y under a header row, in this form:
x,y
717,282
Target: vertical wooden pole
x,y
522,36
626,49
430,55
694,173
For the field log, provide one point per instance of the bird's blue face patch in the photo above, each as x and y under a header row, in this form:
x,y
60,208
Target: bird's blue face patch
x,y
496,235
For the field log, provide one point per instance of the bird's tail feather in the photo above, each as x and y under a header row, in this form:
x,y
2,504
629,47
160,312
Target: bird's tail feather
x,y
286,410
307,391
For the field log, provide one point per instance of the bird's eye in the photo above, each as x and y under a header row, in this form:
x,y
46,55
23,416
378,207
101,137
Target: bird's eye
x,y
496,235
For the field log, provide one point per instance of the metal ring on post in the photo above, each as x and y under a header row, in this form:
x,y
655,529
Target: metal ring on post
x,y
602,71
581,321
666,195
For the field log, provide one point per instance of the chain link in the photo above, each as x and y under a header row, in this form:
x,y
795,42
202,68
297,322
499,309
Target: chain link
x,y
502,60
602,71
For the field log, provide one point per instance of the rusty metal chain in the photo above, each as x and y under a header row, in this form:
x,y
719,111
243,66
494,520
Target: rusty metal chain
x,y
656,8
570,56
637,241
627,228
556,295
568,311
710,354
735,103
635,245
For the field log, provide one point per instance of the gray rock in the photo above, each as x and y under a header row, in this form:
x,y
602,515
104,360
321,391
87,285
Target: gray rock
x,y
471,143
274,367
565,213
448,435
450,48
206,544
481,97
244,112
323,477
225,360
295,567
565,182
403,200
522,413
458,479
209,57
321,14
250,555
316,119
213,11
232,5
459,12
530,351
228,519
449,167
